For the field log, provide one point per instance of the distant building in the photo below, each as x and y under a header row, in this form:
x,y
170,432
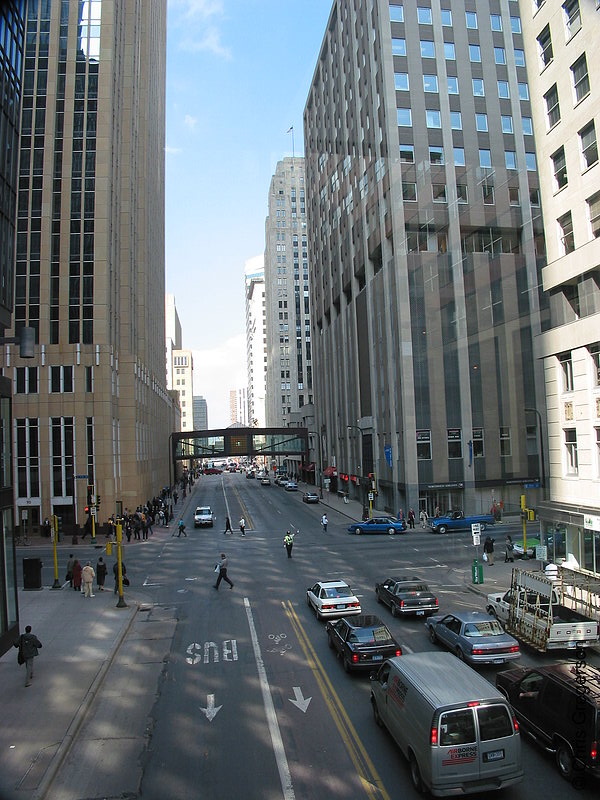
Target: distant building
x,y
173,339
200,414
561,42
256,341
287,303
238,406
183,383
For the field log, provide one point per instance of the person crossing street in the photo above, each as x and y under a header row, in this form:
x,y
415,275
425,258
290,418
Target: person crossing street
x,y
324,523
288,541
243,526
222,565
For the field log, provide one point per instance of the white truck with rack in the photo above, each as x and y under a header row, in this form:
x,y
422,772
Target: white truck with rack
x,y
554,612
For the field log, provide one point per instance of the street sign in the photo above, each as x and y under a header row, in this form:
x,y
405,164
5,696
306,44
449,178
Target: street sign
x,y
475,528
93,512
476,539
81,477
371,496
541,552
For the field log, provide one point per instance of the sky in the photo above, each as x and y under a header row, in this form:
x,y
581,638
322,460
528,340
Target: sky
x,y
238,75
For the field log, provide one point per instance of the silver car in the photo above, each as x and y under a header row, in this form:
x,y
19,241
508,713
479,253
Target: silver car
x,y
473,637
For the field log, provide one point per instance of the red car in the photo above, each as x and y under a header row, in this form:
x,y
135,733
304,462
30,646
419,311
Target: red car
x,y
212,471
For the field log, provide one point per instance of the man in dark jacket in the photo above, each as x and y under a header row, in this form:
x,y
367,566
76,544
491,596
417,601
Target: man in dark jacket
x,y
28,643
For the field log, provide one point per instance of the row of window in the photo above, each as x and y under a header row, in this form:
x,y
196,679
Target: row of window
x,y
565,363
60,380
571,454
425,17
588,154
433,119
440,194
572,24
436,156
581,89
427,49
476,445
566,234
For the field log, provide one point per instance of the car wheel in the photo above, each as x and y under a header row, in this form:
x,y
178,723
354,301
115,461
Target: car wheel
x,y
491,611
376,714
415,773
394,610
564,759
459,654
358,531
347,667
308,603
330,641
442,529
483,526
391,531
432,636
317,615
379,600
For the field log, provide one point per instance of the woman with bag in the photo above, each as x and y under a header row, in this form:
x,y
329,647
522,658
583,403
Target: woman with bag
x,y
488,550
28,645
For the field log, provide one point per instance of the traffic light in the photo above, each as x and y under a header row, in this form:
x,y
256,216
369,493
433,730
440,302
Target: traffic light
x,y
87,509
98,500
90,492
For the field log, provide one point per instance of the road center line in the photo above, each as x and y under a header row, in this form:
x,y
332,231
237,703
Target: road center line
x,y
276,740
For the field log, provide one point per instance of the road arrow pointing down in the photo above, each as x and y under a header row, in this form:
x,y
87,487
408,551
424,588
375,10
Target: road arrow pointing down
x,y
210,712
300,702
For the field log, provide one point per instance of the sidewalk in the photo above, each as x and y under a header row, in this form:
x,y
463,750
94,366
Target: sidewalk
x,y
80,659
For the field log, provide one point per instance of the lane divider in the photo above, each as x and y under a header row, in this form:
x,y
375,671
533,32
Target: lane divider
x,y
365,769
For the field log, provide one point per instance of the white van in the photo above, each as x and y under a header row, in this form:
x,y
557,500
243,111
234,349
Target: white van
x,y
457,731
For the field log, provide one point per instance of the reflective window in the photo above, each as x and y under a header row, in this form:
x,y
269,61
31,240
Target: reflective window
x,y
424,16
446,17
397,13
427,48
523,91
503,91
499,55
430,83
433,119
510,158
485,158
507,123
449,52
478,87
471,18
452,84
527,126
459,156
456,120
401,81
398,47
519,57
515,24
436,155
481,122
404,117
475,53
496,22
407,153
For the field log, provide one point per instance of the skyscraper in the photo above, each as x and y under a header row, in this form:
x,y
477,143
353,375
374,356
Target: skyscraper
x,y
287,303
564,77
93,408
425,253
256,341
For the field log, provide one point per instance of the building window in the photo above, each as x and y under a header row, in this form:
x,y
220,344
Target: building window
x,y
433,119
409,191
424,16
404,117
485,158
26,380
531,162
456,120
496,22
407,153
471,18
427,48
598,448
397,13
398,47
488,194
499,55
452,84
89,379
515,24
527,126
593,204
475,53
439,193
503,90
481,122
589,145
510,159
572,17
581,80
462,194
566,367
559,169
436,155
513,196
552,106
572,462
446,17
544,41
401,81
478,87
430,83
507,123
519,57
565,233
478,443
61,379
523,91
459,156
424,445
534,197
594,351
505,442
449,51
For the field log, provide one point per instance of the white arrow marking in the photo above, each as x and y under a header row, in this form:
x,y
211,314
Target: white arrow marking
x,y
300,702
210,712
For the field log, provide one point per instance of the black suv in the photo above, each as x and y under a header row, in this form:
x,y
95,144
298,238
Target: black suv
x,y
362,642
559,706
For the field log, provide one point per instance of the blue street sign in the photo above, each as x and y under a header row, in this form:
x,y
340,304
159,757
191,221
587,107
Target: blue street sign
x,y
388,454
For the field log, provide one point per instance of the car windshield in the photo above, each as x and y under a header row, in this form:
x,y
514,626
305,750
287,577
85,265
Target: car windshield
x,y
375,635
412,587
337,591
491,628
203,511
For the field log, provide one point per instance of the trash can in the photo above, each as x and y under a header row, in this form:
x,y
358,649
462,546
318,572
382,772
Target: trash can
x,y
32,573
477,571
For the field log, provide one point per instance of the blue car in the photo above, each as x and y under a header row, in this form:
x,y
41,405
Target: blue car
x,y
378,525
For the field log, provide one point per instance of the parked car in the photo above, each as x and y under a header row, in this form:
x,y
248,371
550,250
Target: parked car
x,y
291,486
250,474
406,596
457,521
472,636
378,525
361,642
212,471
310,497
332,599
265,481
204,517
558,705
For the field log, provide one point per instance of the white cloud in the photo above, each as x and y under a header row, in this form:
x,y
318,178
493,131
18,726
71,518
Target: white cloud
x,y
172,150
189,121
199,20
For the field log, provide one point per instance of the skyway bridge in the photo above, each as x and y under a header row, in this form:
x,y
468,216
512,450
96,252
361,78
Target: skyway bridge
x,y
236,442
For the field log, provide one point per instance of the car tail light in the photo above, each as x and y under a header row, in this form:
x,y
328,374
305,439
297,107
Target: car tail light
x,y
515,724
514,649
401,603
355,658
434,736
328,608
355,605
594,751
477,651
436,602
398,651
473,703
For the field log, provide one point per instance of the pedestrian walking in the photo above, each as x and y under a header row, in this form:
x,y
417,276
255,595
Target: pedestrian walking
x,y
488,550
87,576
28,645
180,529
77,576
100,574
411,518
123,573
222,569
509,548
324,522
243,526
288,541
69,573
423,516
228,528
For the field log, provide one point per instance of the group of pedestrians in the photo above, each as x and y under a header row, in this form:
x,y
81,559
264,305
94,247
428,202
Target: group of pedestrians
x,y
81,579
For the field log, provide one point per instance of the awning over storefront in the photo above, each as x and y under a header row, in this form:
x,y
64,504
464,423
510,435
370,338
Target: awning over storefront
x,y
330,472
309,467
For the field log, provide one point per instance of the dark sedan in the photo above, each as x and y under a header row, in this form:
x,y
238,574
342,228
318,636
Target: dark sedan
x,y
310,497
361,642
378,525
472,636
406,596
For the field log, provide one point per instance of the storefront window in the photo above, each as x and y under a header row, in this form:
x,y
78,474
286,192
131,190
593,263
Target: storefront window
x,y
7,583
555,540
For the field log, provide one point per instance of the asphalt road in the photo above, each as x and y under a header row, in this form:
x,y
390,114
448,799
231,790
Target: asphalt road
x,y
251,702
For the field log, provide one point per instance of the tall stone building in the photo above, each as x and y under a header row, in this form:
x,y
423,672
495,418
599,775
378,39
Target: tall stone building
x,y
287,302
564,78
92,409
426,248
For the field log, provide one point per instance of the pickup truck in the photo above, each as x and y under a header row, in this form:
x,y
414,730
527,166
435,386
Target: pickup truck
x,y
456,521
550,613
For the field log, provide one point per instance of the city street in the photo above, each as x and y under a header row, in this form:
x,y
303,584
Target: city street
x,y
250,702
